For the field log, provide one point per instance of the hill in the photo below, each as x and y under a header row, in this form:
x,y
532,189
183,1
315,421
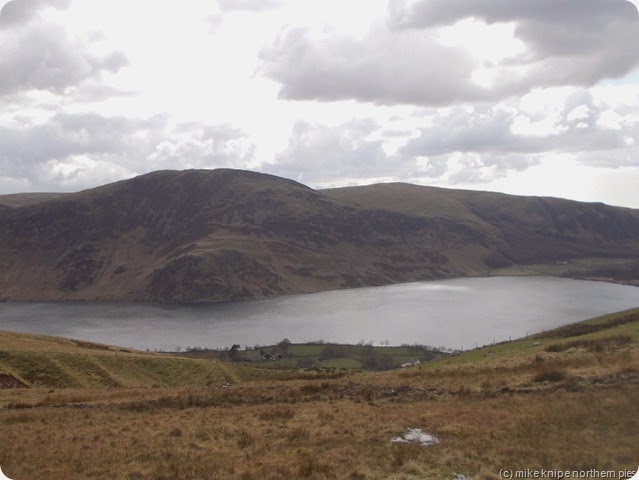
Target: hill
x,y
22,199
191,236
28,360
526,229
565,399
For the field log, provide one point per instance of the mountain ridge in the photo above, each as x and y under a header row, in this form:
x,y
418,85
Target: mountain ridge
x,y
216,235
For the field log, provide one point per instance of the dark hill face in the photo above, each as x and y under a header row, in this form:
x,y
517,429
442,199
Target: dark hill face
x,y
533,229
226,234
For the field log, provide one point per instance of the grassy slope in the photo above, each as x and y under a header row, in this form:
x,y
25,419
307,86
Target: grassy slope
x,y
23,199
566,399
575,357
37,360
505,218
411,199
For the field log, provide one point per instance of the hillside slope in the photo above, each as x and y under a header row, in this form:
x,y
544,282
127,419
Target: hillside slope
x,y
28,360
532,229
563,400
224,234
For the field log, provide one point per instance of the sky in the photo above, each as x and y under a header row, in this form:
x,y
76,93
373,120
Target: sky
x,y
528,97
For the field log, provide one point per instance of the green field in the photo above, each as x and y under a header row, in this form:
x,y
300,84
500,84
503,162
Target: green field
x,y
319,355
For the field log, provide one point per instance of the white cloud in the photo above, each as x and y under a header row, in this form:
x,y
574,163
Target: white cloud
x,y
615,186
549,125
578,113
251,5
490,44
610,120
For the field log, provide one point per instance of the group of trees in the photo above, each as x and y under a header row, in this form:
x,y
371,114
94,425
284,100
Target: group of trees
x,y
282,348
370,357
376,360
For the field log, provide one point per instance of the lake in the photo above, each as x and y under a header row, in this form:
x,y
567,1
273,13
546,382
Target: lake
x,y
458,313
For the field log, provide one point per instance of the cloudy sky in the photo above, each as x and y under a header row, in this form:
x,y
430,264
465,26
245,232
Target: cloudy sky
x,y
534,97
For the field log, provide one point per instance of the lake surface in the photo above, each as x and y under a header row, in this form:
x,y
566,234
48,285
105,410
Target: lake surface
x,y
459,313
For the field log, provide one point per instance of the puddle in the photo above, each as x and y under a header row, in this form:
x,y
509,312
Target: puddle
x,y
416,435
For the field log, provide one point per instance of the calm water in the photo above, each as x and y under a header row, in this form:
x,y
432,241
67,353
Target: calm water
x,y
452,313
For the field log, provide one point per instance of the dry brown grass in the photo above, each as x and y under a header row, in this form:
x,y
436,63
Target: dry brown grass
x,y
507,407
475,437
551,425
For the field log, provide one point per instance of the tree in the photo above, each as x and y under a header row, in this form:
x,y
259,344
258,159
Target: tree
x,y
374,360
283,347
233,352
331,351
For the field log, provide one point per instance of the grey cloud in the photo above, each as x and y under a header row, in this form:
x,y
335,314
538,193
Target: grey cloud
x,y
383,68
619,158
94,91
25,146
483,140
73,151
581,41
203,146
463,145
428,13
474,169
476,131
490,132
42,56
16,12
569,42
320,153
